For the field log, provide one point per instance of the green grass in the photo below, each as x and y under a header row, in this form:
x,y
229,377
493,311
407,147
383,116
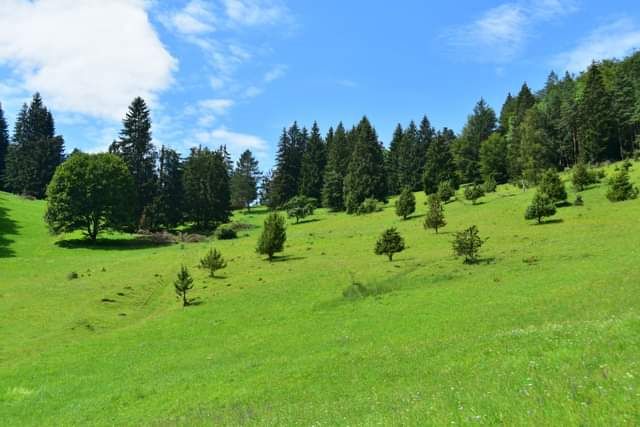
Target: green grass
x,y
546,330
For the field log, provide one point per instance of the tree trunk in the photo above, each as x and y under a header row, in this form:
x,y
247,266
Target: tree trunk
x,y
390,257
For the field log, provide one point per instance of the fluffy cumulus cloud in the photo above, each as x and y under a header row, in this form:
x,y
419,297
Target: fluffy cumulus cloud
x,y
500,33
90,57
613,40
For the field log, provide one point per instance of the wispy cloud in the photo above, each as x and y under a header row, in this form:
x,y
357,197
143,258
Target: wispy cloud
x,y
195,18
275,73
69,51
613,40
256,12
236,142
501,33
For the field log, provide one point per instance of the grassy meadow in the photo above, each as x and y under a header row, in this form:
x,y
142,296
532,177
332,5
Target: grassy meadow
x,y
544,331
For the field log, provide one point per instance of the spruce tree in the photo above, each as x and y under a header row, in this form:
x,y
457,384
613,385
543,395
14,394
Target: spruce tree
x,y
166,210
35,153
4,145
467,244
541,206
244,181
439,166
426,135
581,177
621,188
393,160
596,119
366,172
524,101
206,188
286,179
389,243
135,147
480,125
551,184
435,214
493,159
273,236
313,165
507,112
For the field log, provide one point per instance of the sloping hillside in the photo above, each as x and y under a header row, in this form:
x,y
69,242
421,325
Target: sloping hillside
x,y
546,329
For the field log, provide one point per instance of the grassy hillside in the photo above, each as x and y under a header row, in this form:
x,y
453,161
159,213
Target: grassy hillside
x,y
546,330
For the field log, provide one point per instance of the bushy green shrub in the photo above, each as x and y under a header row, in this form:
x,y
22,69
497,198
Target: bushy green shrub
x,y
435,214
541,206
490,185
300,207
273,236
369,205
226,232
621,188
552,186
473,192
582,177
389,243
467,243
406,203
446,191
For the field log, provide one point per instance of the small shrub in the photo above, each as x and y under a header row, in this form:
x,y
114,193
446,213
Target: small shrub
x,y
183,284
541,206
621,188
467,243
300,207
490,185
446,191
369,205
579,201
226,232
473,193
213,261
72,276
389,243
582,177
435,214
406,203
273,236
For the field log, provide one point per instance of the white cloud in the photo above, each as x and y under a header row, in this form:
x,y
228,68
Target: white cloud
x,y
275,73
252,92
194,18
90,57
501,32
218,106
255,12
614,40
236,142
347,83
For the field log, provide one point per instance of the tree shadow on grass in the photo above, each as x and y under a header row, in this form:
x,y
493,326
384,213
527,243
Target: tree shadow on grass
x,y
307,221
549,222
7,227
284,258
110,244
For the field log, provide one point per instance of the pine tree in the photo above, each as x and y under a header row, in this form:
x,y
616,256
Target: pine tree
x,y
313,165
135,147
406,203
206,188
4,145
467,243
213,261
507,112
366,172
581,177
439,166
393,160
623,111
389,243
551,184
541,206
536,153
286,179
480,125
597,123
524,102
35,153
621,188
183,284
426,135
244,181
167,207
273,236
435,214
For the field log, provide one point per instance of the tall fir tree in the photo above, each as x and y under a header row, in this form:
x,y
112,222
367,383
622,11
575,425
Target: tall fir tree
x,y
426,134
313,165
136,148
36,151
366,173
623,111
168,204
597,124
393,160
480,125
524,102
507,113
4,145
286,180
338,155
493,159
244,181
439,165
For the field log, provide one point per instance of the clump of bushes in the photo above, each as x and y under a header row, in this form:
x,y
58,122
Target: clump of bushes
x,y
369,205
473,193
389,243
226,232
406,203
446,191
621,188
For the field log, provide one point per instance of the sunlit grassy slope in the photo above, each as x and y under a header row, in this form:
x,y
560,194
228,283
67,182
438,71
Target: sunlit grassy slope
x,y
546,330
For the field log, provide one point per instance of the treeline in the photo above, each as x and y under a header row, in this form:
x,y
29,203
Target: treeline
x,y
592,118
159,189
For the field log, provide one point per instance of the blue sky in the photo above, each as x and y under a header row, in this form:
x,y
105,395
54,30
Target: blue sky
x,y
235,72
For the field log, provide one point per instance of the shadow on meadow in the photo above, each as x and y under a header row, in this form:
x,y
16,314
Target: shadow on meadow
x,y
111,244
7,227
